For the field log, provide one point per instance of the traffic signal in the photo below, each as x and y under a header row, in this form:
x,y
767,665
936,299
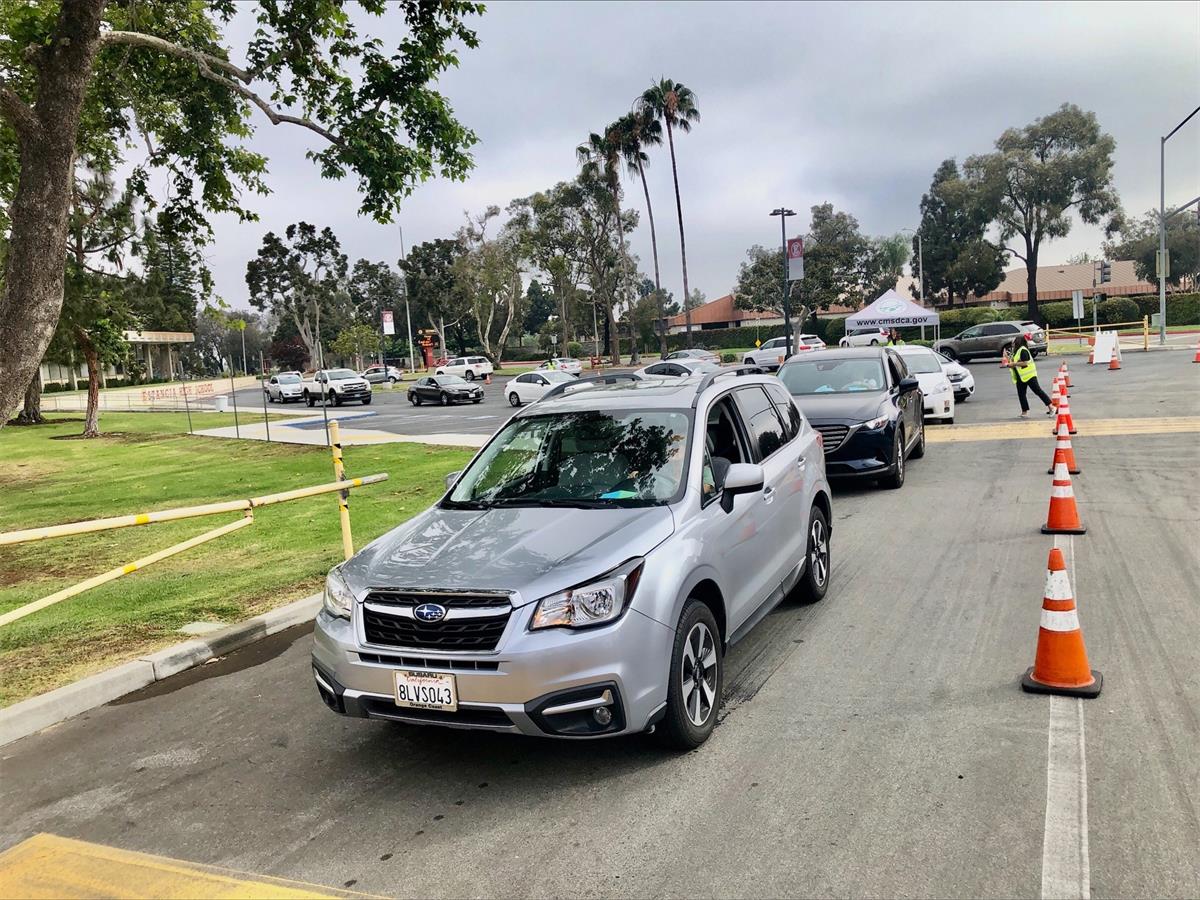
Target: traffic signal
x,y
1105,271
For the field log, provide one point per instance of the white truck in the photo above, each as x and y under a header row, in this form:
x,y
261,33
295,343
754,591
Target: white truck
x,y
335,386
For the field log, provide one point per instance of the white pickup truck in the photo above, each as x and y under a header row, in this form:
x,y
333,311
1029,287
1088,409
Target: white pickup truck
x,y
336,385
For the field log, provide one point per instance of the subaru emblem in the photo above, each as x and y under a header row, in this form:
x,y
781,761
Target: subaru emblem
x,y
430,612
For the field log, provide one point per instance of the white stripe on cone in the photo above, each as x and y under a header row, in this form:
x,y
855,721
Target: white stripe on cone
x,y
1058,620
1058,587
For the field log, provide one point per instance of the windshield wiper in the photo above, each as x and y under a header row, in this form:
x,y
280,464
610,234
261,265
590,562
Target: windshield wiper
x,y
575,502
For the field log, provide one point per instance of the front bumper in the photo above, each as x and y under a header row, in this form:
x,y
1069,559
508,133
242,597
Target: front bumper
x,y
862,453
939,406
544,683
964,389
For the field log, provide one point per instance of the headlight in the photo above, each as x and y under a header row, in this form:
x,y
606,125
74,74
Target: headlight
x,y
338,598
600,601
875,423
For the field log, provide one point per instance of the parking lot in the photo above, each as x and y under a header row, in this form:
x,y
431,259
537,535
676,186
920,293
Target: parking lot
x,y
875,743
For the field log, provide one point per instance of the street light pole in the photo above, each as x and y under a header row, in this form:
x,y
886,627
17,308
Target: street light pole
x,y
783,213
412,364
1162,228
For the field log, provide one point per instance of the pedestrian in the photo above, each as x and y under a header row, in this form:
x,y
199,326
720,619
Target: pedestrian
x,y
894,338
1024,375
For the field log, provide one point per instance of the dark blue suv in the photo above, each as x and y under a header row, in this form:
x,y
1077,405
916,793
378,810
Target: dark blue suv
x,y
865,404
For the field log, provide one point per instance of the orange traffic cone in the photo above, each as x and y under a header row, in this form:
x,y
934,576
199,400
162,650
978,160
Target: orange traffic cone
x,y
1063,517
1004,359
1061,664
1064,415
1091,351
1062,385
1063,452
1197,358
487,378
1055,393
1066,374
1114,361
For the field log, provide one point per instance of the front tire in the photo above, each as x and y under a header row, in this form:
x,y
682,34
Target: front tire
x,y
514,400
695,680
949,354
308,399
414,399
391,379
445,399
815,580
470,376
366,401
895,479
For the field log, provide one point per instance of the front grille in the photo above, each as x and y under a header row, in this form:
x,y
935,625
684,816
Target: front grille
x,y
833,435
421,662
401,630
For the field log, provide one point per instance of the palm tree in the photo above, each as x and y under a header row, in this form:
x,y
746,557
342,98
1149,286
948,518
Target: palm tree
x,y
600,157
675,104
640,129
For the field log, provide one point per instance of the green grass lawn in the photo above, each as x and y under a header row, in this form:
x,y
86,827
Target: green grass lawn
x,y
147,461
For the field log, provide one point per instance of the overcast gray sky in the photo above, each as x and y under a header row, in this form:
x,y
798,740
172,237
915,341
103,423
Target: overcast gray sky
x,y
801,103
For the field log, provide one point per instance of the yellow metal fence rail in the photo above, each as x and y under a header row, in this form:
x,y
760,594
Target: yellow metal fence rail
x,y
247,506
1079,332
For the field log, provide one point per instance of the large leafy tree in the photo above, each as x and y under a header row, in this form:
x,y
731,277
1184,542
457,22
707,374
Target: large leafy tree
x,y
834,254
539,307
84,78
959,261
175,278
1138,241
675,105
374,287
299,277
489,275
1040,175
883,264
433,290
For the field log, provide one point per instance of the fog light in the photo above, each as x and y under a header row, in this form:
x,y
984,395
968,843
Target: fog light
x,y
602,715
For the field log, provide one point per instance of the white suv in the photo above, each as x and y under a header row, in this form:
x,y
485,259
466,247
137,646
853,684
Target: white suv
x,y
770,355
864,337
468,367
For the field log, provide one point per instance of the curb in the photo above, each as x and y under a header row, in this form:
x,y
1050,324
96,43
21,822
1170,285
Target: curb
x,y
32,715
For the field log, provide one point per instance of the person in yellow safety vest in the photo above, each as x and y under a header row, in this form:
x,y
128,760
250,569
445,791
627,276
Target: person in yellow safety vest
x,y
1024,375
551,365
894,338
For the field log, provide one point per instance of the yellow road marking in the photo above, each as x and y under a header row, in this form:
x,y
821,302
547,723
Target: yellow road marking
x,y
1042,427
50,866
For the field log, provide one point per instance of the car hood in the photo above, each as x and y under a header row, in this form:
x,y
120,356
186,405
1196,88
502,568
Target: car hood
x,y
856,407
932,381
533,551
349,382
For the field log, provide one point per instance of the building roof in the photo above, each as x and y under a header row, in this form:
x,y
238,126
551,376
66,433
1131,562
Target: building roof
x,y
1057,282
720,310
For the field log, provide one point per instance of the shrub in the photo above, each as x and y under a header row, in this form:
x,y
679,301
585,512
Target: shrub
x,y
729,358
574,349
1118,310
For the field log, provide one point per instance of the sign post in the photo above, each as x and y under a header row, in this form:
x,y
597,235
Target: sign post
x,y
1077,308
795,253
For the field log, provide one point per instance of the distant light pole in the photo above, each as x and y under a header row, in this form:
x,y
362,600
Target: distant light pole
x,y
783,213
920,269
412,364
1162,228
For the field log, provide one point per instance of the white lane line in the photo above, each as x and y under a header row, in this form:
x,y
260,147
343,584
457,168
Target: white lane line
x,y
1066,870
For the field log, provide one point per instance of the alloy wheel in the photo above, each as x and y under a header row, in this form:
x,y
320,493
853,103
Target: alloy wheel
x,y
818,556
698,674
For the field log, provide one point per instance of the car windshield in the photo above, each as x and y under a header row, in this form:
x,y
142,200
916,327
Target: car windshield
x,y
922,363
288,379
586,458
558,376
833,376
448,379
703,368
340,374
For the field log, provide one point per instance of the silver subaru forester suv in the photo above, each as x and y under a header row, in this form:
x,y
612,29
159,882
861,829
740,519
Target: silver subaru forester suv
x,y
585,574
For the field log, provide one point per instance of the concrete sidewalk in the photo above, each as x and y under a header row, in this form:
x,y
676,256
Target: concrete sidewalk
x,y
309,429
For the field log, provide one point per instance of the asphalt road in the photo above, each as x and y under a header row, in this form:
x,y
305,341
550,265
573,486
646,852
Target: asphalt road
x,y
874,744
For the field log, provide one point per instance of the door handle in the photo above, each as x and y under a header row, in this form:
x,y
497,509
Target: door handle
x,y
801,462
768,494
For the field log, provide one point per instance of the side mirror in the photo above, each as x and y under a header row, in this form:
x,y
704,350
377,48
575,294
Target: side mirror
x,y
909,384
742,478
451,478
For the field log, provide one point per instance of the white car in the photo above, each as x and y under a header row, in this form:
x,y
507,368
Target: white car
x,y
530,387
770,355
284,387
864,337
960,377
935,383
562,364
468,367
677,368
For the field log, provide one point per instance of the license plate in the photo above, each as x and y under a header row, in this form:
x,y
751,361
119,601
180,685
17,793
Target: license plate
x,y
426,690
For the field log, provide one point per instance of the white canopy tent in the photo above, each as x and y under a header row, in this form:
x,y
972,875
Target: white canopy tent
x,y
894,311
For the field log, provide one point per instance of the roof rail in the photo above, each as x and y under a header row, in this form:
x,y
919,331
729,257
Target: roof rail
x,y
611,378
735,371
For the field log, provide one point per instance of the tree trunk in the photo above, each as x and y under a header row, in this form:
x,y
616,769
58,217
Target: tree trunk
x,y
33,283
658,293
687,309
91,419
1031,257
31,414
614,339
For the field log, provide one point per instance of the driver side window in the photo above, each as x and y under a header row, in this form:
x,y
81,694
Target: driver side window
x,y
896,369
972,332
723,446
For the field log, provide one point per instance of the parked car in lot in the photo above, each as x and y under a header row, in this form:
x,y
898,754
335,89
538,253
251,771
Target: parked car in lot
x,y
562,364
468,367
443,389
677,368
770,355
960,376
937,392
698,354
530,387
578,579
284,387
337,386
864,337
866,405
381,374
992,339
